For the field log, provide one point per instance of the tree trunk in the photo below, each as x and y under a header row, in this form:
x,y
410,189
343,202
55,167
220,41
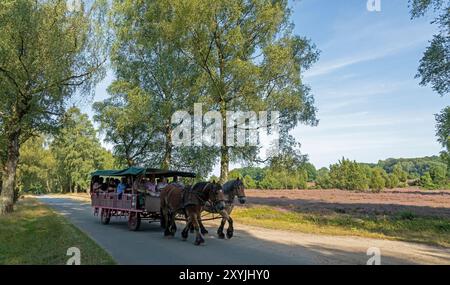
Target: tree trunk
x,y
9,173
224,163
224,149
168,148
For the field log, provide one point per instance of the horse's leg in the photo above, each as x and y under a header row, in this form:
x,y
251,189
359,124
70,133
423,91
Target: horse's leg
x,y
185,232
198,236
230,230
202,227
227,217
173,226
220,229
165,213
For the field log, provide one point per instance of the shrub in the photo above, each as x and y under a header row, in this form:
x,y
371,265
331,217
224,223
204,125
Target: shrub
x,y
394,181
349,175
284,179
249,182
426,182
400,173
439,175
377,181
323,179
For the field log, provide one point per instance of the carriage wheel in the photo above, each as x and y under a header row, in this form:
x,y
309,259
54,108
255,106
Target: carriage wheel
x,y
134,221
105,216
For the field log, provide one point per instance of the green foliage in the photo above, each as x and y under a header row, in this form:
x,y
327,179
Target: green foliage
x,y
65,162
377,181
249,57
392,181
256,173
426,181
349,175
276,179
249,183
323,178
47,53
400,173
154,80
78,152
415,167
443,134
310,170
439,175
434,68
36,167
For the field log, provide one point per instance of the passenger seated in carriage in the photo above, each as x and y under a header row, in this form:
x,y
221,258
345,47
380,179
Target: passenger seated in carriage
x,y
129,184
98,181
110,185
161,184
150,187
121,187
177,182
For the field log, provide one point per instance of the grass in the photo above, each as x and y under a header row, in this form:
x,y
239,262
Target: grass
x,y
404,226
36,235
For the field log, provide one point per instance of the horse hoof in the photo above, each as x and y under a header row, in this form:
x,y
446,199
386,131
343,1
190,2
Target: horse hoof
x,y
199,241
184,235
229,234
204,232
221,235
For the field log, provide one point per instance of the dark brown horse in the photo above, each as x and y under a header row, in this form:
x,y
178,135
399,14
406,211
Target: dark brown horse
x,y
189,201
231,189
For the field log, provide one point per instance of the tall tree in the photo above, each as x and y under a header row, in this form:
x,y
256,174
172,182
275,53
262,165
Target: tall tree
x,y
250,57
78,152
36,168
434,66
126,120
443,133
47,51
154,80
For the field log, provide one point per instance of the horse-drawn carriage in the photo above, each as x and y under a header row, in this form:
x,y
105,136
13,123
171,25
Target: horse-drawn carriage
x,y
176,202
134,203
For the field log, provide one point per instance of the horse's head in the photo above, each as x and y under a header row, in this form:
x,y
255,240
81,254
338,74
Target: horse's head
x,y
216,195
239,190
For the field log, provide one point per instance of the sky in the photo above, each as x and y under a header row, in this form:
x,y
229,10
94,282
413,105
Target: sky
x,y
370,106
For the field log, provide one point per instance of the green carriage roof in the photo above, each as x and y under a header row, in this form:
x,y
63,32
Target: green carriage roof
x,y
135,171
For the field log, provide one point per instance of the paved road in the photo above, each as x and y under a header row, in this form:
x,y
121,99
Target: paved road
x,y
250,245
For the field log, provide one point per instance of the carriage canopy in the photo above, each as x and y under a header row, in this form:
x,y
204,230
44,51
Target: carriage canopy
x,y
136,171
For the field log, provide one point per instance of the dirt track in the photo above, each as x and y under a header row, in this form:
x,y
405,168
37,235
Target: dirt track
x,y
419,202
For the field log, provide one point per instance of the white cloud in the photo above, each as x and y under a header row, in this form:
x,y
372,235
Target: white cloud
x,y
377,41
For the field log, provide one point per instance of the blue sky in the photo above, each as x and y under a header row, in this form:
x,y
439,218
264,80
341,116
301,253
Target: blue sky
x,y
370,106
